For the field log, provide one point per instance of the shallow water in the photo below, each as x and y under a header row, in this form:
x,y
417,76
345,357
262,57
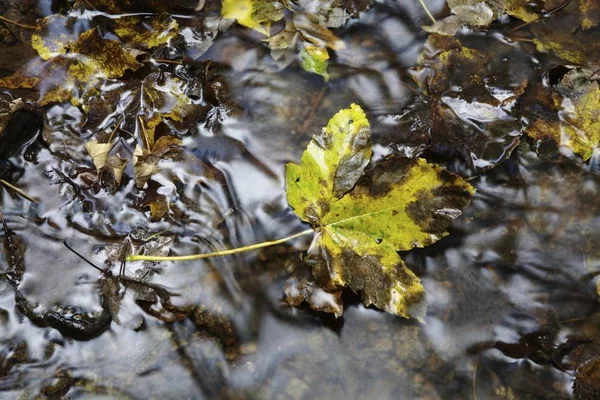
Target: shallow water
x,y
511,291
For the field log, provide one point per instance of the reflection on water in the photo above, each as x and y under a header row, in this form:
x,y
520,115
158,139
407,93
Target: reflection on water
x,y
512,304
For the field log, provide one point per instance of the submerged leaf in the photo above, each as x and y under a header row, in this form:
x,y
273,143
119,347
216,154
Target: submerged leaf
x,y
53,37
145,162
576,39
111,174
572,114
399,205
469,96
467,12
63,77
253,14
309,39
155,98
590,13
111,58
314,59
146,32
521,9
331,13
110,168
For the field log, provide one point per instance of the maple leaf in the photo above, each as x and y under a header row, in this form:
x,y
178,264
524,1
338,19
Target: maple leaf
x,y
363,218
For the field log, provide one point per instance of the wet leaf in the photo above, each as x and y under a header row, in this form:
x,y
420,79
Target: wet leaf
x,y
332,13
253,14
476,13
109,56
158,96
146,33
113,171
54,36
575,40
139,241
590,13
521,9
111,291
468,99
399,205
145,163
304,39
314,59
299,289
574,120
98,151
63,77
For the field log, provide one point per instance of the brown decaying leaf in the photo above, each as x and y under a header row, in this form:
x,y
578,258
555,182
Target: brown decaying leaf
x,y
468,101
98,151
145,162
298,289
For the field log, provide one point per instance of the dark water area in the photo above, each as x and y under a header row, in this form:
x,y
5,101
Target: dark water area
x,y
513,307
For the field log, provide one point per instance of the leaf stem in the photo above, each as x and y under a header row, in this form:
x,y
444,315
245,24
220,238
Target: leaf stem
x,y
164,61
220,253
427,10
548,14
116,128
19,191
24,26
144,134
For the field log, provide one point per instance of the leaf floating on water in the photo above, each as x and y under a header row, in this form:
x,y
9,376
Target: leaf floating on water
x,y
113,170
399,205
146,33
314,59
253,14
575,123
333,13
145,163
476,13
98,151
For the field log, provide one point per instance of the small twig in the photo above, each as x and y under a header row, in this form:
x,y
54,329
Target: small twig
x,y
219,253
115,129
144,134
175,62
24,26
548,14
86,260
19,192
427,11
